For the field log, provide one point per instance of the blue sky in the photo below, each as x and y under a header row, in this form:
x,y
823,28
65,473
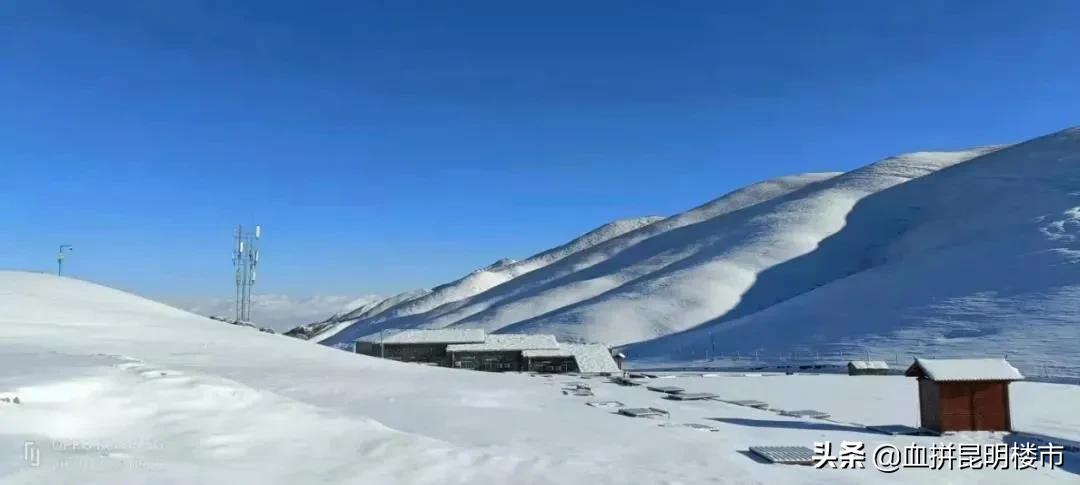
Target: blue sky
x,y
390,145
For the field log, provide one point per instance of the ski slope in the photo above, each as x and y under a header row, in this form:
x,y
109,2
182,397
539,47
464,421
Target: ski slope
x,y
116,389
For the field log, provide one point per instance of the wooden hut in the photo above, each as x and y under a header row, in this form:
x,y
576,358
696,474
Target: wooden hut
x,y
867,368
964,394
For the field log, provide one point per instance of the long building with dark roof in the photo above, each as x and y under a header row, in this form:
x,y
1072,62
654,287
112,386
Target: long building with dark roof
x,y
475,349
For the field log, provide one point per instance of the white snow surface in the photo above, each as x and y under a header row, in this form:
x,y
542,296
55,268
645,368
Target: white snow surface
x,y
969,370
508,342
977,259
592,358
360,322
507,269
869,364
440,336
560,352
116,389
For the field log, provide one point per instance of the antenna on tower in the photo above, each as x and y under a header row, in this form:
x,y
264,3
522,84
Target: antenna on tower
x,y
245,259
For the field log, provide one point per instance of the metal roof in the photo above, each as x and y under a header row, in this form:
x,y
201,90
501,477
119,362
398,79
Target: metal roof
x,y
947,370
667,389
508,342
643,412
424,336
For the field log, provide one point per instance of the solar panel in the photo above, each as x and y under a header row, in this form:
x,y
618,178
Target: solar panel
x,y
643,412
806,413
790,455
690,396
751,403
667,389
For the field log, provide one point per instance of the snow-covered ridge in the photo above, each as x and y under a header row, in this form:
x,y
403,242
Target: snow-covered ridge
x,y
588,251
956,263
711,269
931,252
508,269
341,329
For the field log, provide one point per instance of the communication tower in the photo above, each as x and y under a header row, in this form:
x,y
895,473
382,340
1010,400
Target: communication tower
x,y
245,259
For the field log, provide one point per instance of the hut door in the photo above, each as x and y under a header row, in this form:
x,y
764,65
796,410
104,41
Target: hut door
x,y
956,406
988,406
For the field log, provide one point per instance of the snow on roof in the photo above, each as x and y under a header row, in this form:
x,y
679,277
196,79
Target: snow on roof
x,y
422,336
964,370
869,364
546,353
503,342
592,357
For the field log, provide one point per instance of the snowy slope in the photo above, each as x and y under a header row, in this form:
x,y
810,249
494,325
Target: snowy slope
x,y
706,270
321,329
979,258
927,252
358,323
372,309
583,257
117,389
506,270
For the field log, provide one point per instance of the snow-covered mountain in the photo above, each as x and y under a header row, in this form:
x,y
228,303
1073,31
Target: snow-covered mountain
x,y
416,302
981,256
927,251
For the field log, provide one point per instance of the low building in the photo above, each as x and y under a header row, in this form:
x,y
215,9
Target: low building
x,y
473,349
867,368
499,352
415,345
549,361
964,394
